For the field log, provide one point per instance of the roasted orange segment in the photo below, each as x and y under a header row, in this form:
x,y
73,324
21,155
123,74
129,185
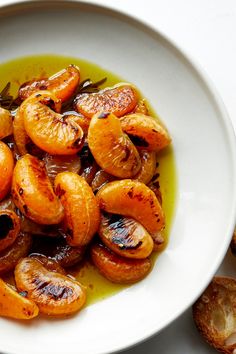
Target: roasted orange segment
x,y
33,194
6,125
214,314
6,168
118,269
125,236
56,164
22,140
112,149
132,198
54,293
62,84
14,305
148,166
52,132
11,255
82,216
145,131
100,179
119,100
9,228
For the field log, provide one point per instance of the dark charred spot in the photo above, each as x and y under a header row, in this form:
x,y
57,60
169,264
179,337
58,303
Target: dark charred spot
x,y
6,224
25,208
157,175
138,140
57,292
21,191
122,230
103,115
154,130
38,95
59,191
86,155
131,192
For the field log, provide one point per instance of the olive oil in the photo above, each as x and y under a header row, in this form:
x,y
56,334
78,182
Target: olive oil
x,y
24,69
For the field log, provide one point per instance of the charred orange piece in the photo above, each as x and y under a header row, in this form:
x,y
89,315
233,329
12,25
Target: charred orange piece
x,y
118,269
119,100
14,305
82,214
11,255
9,228
214,314
6,125
134,199
54,293
6,168
125,236
148,166
21,138
33,194
52,132
145,131
112,149
62,84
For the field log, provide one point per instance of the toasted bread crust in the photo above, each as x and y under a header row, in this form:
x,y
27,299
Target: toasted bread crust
x,y
214,313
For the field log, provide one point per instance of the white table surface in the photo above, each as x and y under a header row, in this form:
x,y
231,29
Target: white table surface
x,y
206,30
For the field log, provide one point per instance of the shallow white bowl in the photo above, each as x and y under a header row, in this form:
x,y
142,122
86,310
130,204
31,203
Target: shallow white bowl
x,y
204,147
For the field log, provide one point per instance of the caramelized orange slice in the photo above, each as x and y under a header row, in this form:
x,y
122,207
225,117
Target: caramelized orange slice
x,y
52,132
132,198
214,314
145,131
14,305
82,214
62,84
119,100
22,140
125,236
33,194
6,168
118,269
112,149
54,293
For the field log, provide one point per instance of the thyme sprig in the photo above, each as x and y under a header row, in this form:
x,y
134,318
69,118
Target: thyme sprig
x,y
7,101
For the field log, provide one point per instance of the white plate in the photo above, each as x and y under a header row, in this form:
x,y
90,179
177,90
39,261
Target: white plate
x,y
204,147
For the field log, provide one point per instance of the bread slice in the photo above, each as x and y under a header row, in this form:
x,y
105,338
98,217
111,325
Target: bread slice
x,y
214,314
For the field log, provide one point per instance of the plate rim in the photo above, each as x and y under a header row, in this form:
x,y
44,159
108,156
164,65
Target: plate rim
x,y
12,5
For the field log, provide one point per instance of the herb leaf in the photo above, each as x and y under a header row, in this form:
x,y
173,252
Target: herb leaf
x,y
6,100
